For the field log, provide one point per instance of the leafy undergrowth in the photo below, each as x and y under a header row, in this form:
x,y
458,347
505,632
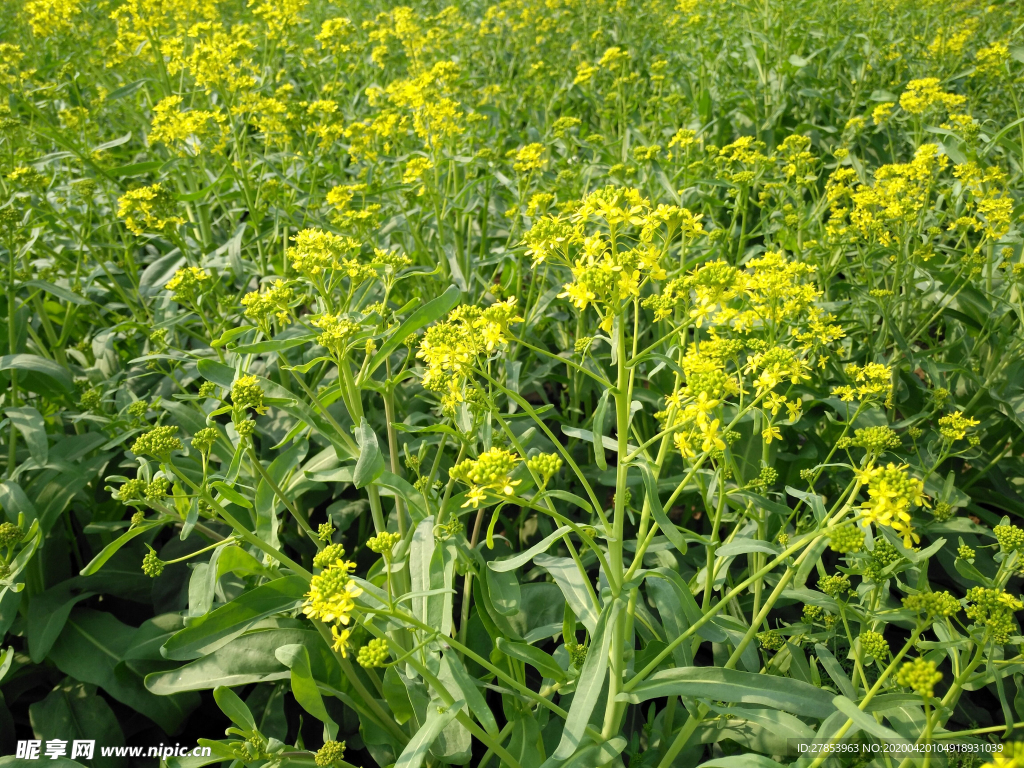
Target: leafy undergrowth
x,y
564,383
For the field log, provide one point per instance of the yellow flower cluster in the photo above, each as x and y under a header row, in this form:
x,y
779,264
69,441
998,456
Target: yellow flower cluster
x,y
149,210
271,303
892,492
871,382
331,599
451,348
190,132
187,284
51,17
926,93
492,471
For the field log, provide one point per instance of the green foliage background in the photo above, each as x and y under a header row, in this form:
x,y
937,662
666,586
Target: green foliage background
x,y
159,161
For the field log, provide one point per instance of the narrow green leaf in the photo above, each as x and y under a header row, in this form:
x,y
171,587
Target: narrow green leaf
x,y
470,691
835,671
588,687
214,630
234,708
722,684
511,563
535,657
296,658
667,526
30,424
597,436
865,721
108,551
370,463
231,494
438,718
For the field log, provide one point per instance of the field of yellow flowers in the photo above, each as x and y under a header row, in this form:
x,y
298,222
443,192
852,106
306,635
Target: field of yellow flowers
x,y
512,383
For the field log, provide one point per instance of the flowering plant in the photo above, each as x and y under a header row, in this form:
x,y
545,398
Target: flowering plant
x,y
523,384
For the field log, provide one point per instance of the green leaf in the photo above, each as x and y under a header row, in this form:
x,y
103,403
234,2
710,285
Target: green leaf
x,y
864,721
72,711
231,494
750,760
206,634
30,424
588,687
47,613
296,658
438,718
248,658
535,657
428,313
667,526
568,578
218,373
47,378
370,463
511,563
56,290
91,649
275,345
108,551
597,435
722,684
835,671
503,589
475,700
234,708
744,546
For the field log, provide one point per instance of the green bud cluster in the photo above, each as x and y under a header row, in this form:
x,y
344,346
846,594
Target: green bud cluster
x,y
207,389
1010,537
138,409
577,654
771,640
10,534
849,538
583,344
836,585
783,539
445,531
932,604
157,442
91,400
152,565
245,428
812,613
383,542
920,676
247,393
882,556
964,552
331,753
546,465
328,555
876,440
325,531
374,654
132,490
157,489
203,440
943,511
138,518
874,645
993,609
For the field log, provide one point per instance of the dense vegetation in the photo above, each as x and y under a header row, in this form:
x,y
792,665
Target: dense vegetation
x,y
565,383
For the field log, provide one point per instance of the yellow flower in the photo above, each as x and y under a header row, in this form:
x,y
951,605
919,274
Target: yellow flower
x,y
771,433
712,440
340,643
